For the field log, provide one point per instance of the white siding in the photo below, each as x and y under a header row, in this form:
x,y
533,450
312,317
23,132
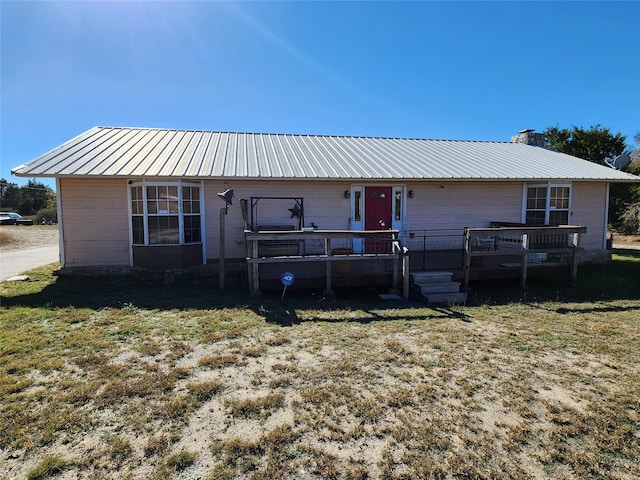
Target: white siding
x,y
96,215
588,209
95,222
451,205
324,205
457,205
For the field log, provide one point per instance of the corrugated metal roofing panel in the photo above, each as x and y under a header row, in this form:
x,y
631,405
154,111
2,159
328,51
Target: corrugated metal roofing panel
x,y
144,152
213,151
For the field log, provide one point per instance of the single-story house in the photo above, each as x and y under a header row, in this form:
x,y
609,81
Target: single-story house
x,y
148,197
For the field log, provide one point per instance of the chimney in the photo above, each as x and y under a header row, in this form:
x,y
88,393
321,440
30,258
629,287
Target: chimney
x,y
529,137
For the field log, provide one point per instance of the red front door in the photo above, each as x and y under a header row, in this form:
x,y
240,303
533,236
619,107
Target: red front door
x,y
377,216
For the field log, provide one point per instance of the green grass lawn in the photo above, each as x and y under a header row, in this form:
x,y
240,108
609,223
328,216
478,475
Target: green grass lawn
x,y
120,378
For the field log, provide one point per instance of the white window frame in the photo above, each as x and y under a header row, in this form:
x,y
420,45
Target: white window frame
x,y
179,184
548,208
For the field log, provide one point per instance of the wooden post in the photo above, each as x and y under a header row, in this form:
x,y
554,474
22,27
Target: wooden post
x,y
405,273
223,214
249,264
574,258
467,257
327,251
395,248
256,271
525,260
245,215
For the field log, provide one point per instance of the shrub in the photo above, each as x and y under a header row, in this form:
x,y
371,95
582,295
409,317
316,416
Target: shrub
x,y
46,216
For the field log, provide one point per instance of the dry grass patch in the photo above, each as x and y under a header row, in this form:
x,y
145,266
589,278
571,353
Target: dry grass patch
x,y
221,360
627,239
204,391
6,239
260,407
531,388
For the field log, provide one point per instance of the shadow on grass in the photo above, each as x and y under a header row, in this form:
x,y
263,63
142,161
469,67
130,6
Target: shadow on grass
x,y
607,309
616,280
287,316
203,294
118,291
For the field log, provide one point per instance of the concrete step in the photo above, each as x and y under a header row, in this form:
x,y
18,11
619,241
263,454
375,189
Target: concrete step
x,y
430,277
456,298
449,287
389,296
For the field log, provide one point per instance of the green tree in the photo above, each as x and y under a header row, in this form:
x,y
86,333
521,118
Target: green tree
x,y
9,195
34,197
596,144
26,200
630,217
593,144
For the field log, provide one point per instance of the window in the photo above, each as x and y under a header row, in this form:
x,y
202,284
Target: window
x,y
559,206
547,205
357,207
165,214
398,205
536,205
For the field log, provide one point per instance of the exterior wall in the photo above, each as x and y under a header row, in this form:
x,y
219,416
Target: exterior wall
x,y
434,206
96,215
455,205
477,204
95,219
324,205
588,208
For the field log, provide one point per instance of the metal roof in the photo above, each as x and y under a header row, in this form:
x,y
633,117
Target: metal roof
x,y
153,153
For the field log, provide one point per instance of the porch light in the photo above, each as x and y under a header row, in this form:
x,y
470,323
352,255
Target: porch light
x,y
410,193
347,194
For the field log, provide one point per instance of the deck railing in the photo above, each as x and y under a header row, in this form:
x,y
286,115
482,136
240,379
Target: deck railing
x,y
328,246
522,246
508,247
435,249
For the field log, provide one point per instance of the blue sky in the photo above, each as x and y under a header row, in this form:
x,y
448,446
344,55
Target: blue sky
x,y
451,70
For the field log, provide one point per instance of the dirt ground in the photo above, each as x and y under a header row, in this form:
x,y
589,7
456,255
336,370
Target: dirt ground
x,y
521,391
626,240
14,237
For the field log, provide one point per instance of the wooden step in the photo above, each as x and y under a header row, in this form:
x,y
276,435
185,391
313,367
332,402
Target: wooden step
x,y
389,296
449,287
456,298
431,277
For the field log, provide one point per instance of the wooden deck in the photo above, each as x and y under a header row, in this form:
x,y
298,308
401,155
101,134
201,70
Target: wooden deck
x,y
327,247
521,248
326,256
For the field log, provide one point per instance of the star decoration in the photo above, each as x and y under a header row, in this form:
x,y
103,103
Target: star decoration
x,y
296,211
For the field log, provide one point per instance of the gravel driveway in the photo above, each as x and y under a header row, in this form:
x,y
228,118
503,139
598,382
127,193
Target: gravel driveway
x,y
25,248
